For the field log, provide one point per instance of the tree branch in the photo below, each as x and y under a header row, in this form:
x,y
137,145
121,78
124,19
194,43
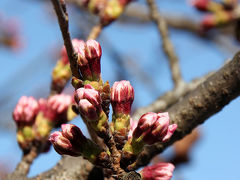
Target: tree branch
x,y
60,9
206,100
166,43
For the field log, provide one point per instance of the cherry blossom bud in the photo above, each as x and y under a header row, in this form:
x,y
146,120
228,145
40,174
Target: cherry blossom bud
x,y
75,43
154,128
72,142
93,54
88,110
159,171
89,102
144,124
25,111
73,133
209,21
61,144
56,108
201,5
59,103
122,95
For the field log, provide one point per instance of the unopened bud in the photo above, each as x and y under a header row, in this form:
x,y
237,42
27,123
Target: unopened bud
x,y
25,111
159,171
93,54
62,145
153,127
201,5
122,95
75,43
89,102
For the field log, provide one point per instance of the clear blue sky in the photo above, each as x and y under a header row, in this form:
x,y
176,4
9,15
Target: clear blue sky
x,y
27,72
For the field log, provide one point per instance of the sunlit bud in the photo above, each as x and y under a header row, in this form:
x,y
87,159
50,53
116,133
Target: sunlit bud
x,y
209,21
93,54
89,93
73,133
59,103
145,124
25,111
159,171
62,145
89,102
122,95
154,128
56,107
201,5
75,43
88,110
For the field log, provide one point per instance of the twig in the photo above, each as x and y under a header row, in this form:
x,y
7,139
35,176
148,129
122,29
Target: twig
x,y
60,9
166,42
95,32
206,100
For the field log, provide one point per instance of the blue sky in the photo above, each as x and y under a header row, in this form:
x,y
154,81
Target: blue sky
x,y
27,72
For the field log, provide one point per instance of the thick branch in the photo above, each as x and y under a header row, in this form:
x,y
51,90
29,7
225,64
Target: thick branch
x,y
206,100
60,9
166,43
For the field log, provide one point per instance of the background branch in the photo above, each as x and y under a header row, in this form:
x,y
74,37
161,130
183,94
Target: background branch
x,y
166,43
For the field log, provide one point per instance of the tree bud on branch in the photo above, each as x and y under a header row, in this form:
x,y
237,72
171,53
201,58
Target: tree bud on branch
x,y
25,111
159,171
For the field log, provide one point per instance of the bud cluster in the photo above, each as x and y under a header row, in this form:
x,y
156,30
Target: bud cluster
x,y
219,13
124,139
150,128
89,104
35,118
107,10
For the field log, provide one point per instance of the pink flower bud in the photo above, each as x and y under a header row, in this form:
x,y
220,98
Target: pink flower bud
x,y
159,171
70,141
61,144
89,102
89,55
144,124
201,5
75,43
122,95
73,133
154,128
25,111
56,107
88,110
209,21
93,54
59,103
